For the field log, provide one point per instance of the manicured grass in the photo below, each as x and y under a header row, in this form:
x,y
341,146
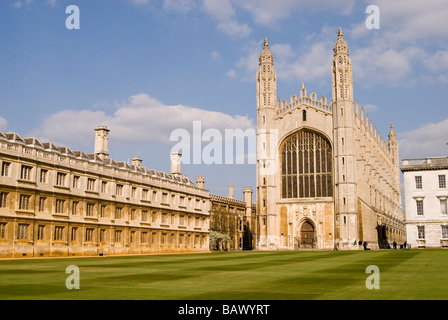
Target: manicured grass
x,y
404,274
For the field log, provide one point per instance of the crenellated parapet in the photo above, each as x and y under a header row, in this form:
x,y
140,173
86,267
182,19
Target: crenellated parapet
x,y
366,127
301,101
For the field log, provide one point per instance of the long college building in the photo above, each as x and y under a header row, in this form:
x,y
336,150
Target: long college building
x,y
325,176
59,202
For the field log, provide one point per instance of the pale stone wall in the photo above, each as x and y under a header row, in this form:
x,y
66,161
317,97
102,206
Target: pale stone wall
x,y
366,174
293,214
378,173
235,218
155,211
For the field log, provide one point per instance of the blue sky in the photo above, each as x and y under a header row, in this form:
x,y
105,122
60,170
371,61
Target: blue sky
x,y
147,67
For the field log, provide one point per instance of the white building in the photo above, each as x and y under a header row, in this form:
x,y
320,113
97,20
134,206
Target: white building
x,y
426,194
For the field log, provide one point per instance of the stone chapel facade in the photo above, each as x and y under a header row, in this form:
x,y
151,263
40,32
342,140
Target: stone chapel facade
x,y
325,176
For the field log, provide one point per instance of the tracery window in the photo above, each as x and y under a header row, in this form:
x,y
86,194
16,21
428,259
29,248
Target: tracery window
x,y
306,166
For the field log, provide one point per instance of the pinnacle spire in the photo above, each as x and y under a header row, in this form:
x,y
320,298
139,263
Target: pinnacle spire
x,y
266,55
266,43
341,46
392,133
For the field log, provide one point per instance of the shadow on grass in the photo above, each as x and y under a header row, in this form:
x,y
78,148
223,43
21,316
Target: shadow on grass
x,y
28,291
144,278
226,276
332,282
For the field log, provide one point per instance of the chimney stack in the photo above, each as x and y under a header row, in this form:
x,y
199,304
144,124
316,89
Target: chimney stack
x,y
230,192
175,162
248,196
137,161
200,182
101,141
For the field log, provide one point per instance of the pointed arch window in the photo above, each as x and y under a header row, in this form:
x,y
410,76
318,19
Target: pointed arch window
x,y
306,166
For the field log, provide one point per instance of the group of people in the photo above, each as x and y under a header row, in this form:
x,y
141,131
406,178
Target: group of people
x,y
365,243
403,246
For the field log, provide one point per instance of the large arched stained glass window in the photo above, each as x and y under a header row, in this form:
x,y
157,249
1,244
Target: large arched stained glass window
x,y
306,166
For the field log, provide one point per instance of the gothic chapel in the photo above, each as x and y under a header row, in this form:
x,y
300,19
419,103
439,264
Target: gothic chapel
x,y
325,176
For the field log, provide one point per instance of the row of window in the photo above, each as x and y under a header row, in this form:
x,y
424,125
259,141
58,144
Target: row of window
x,y
62,181
226,224
420,207
421,232
441,181
23,233
60,208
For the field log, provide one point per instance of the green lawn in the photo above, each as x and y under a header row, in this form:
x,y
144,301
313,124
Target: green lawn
x,y
404,274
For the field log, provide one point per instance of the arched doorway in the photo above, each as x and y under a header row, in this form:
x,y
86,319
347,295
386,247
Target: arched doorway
x,y
307,235
382,236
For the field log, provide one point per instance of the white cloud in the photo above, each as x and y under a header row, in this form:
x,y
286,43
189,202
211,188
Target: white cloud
x,y
413,20
270,13
282,51
386,56
393,64
3,124
427,141
182,6
265,12
140,2
305,61
231,74
438,61
309,65
141,118
407,43
70,127
234,29
215,56
291,64
219,9
224,13
20,4
248,63
370,108
376,64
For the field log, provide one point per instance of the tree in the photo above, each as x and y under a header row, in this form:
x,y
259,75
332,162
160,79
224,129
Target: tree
x,y
218,240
